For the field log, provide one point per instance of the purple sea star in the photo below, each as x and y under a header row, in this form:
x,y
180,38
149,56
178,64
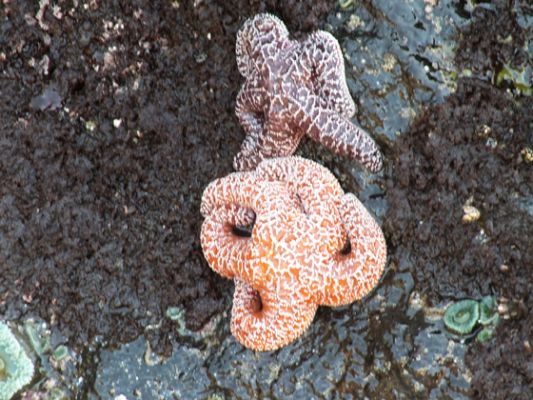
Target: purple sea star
x,y
294,88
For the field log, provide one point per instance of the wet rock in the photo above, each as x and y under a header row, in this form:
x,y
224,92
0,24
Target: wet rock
x,y
401,58
124,372
49,99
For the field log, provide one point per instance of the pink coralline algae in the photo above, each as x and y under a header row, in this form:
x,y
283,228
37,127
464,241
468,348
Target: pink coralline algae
x,y
311,244
295,88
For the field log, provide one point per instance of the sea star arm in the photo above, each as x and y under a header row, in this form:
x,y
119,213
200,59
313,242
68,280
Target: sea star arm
x,y
223,191
256,35
246,190
225,251
352,276
322,55
264,321
313,183
250,112
269,143
270,203
341,136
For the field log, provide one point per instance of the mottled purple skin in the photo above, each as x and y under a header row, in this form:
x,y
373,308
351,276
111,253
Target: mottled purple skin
x,y
295,88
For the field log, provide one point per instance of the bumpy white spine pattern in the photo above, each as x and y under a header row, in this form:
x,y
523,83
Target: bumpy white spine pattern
x,y
295,258
295,88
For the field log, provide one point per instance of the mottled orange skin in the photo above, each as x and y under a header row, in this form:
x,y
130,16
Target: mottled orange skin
x,y
293,261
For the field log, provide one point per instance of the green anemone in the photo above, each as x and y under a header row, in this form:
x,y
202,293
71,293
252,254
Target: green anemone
x,y
60,352
16,368
485,334
461,317
488,310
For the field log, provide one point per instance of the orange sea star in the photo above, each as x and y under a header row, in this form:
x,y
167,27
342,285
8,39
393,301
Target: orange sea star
x,y
294,88
311,244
